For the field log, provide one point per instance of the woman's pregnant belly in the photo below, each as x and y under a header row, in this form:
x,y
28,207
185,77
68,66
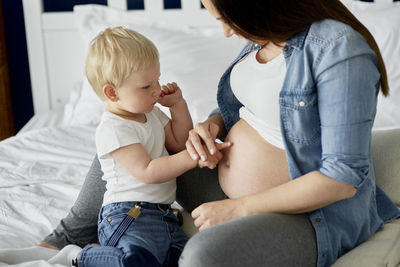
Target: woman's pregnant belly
x,y
252,164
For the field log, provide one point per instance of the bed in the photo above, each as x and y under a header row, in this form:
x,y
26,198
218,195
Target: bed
x,y
44,165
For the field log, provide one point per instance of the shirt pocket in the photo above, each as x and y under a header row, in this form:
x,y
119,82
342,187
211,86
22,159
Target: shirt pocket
x,y
300,117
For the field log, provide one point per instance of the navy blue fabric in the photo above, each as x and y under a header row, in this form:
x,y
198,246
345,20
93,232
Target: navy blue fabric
x,y
135,4
110,256
172,4
172,257
67,5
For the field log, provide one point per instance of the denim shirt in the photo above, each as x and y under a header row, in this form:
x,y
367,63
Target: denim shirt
x,y
327,109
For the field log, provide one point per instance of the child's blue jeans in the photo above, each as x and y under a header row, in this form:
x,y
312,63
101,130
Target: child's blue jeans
x,y
154,238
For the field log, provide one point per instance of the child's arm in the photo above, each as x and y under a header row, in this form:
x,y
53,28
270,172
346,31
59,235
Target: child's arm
x,y
177,130
135,160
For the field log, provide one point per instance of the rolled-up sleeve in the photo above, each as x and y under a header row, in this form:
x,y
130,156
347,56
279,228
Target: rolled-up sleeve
x,y
347,82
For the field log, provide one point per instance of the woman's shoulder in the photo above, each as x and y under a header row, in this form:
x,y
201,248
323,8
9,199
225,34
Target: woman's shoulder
x,y
328,32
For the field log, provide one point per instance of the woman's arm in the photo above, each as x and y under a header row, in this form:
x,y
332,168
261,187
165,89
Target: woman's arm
x,y
306,193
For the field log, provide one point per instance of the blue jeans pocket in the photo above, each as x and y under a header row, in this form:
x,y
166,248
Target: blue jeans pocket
x,y
108,227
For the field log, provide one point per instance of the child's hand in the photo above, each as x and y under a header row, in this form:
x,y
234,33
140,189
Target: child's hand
x,y
170,95
213,160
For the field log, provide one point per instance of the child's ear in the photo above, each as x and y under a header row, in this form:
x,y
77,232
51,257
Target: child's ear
x,y
110,92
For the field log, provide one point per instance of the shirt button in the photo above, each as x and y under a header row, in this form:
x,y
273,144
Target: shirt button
x,y
318,220
324,255
302,103
109,219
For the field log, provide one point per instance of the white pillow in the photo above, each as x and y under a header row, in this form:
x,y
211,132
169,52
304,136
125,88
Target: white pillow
x,y
193,60
83,107
383,21
196,62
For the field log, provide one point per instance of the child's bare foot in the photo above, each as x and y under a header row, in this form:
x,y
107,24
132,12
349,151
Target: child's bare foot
x,y
47,245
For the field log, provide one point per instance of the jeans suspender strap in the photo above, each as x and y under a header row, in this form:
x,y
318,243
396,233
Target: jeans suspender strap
x,y
124,225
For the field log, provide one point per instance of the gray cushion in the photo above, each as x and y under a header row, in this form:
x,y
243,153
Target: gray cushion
x,y
383,248
386,158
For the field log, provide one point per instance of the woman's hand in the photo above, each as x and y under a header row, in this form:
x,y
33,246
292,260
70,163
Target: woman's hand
x,y
170,95
203,137
212,160
217,212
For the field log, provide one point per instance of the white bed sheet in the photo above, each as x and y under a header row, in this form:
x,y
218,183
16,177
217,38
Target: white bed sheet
x,y
41,172
51,118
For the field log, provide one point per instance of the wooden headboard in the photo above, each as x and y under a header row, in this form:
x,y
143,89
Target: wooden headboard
x,y
55,50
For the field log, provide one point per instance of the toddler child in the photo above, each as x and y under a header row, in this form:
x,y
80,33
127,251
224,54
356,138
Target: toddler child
x,y
136,226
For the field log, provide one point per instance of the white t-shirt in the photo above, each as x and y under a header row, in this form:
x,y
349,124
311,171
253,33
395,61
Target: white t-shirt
x,y
257,87
114,132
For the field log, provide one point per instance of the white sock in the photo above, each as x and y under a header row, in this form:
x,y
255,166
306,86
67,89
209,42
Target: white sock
x,y
19,255
66,255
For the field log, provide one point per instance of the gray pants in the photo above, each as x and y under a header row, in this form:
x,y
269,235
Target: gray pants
x,y
258,240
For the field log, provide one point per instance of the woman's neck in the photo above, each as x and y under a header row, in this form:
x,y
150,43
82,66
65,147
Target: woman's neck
x,y
268,52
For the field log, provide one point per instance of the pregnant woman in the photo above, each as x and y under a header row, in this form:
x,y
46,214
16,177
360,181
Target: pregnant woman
x,y
297,187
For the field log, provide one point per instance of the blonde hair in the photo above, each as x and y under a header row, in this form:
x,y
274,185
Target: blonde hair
x,y
114,54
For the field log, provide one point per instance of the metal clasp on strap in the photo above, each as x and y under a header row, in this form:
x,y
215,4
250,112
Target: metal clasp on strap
x,y
134,212
123,226
178,214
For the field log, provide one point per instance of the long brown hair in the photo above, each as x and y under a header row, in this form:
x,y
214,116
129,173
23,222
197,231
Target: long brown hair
x,y
278,20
